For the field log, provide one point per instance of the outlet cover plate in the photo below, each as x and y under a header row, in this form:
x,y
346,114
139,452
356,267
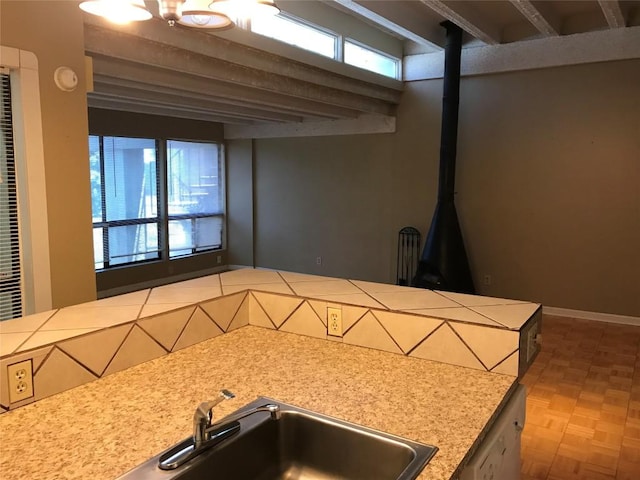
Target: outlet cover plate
x,y
334,321
20,378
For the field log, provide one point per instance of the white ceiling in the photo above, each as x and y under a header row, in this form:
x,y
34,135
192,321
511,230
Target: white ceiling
x,y
492,22
258,87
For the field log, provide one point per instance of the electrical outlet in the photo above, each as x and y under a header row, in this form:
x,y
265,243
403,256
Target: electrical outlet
x,y
533,339
487,280
20,381
334,321
318,260
219,259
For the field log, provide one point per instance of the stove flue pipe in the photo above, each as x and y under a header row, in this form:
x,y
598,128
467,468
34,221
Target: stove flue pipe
x,y
443,264
450,107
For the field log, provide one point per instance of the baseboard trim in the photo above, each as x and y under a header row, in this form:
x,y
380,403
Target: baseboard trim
x,y
600,317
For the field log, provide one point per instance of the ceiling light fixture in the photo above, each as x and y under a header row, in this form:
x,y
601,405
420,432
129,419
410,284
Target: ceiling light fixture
x,y
118,11
197,14
170,10
191,13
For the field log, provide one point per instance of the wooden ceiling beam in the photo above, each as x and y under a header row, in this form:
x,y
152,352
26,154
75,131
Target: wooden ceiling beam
x,y
468,19
196,102
540,16
613,13
357,95
155,33
128,105
120,70
610,45
365,124
191,90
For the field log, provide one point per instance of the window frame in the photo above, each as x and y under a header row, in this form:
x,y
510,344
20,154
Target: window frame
x,y
163,217
105,224
339,44
135,276
30,176
364,46
194,216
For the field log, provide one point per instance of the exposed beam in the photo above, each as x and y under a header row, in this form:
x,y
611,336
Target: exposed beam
x,y
109,43
120,70
382,14
193,87
196,101
613,13
233,52
591,47
139,107
468,19
540,16
366,124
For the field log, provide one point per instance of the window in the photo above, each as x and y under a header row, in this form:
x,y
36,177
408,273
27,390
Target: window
x,y
364,57
154,199
10,271
124,200
195,203
298,33
24,260
314,38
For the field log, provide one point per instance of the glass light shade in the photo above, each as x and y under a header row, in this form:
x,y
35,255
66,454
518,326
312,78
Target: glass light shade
x,y
170,10
196,13
117,11
244,9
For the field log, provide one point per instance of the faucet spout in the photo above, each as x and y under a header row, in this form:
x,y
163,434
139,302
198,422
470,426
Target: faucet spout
x,y
274,412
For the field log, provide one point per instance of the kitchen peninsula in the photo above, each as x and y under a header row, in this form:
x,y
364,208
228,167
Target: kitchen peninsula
x,y
104,428
437,367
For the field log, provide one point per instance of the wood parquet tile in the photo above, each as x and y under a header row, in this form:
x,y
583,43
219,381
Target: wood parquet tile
x,y
583,403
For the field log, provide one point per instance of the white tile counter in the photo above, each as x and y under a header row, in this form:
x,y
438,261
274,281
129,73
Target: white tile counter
x,y
74,345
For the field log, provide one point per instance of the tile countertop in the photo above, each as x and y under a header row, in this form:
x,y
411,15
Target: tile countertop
x,y
46,328
102,429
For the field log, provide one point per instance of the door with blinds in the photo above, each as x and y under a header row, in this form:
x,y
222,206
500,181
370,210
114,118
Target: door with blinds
x,y
10,272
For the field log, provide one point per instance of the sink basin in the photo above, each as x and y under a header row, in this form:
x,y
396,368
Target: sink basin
x,y
300,445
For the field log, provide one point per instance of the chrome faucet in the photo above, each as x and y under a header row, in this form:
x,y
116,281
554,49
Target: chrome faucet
x,y
203,418
206,434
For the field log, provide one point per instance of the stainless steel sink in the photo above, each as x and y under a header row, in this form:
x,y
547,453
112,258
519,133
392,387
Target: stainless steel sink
x,y
300,445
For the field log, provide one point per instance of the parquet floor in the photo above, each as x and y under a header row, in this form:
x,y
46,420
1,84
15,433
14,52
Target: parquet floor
x,y
583,403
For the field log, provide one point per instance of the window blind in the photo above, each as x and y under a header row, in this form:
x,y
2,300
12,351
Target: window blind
x,y
10,274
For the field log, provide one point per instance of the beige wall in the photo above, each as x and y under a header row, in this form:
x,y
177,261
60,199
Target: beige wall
x,y
548,182
53,31
325,197
239,174
551,182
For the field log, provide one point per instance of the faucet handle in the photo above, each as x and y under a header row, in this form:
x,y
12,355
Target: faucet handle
x,y
226,394
203,416
205,408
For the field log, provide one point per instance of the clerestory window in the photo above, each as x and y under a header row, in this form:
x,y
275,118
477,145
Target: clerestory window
x,y
314,38
301,34
363,56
